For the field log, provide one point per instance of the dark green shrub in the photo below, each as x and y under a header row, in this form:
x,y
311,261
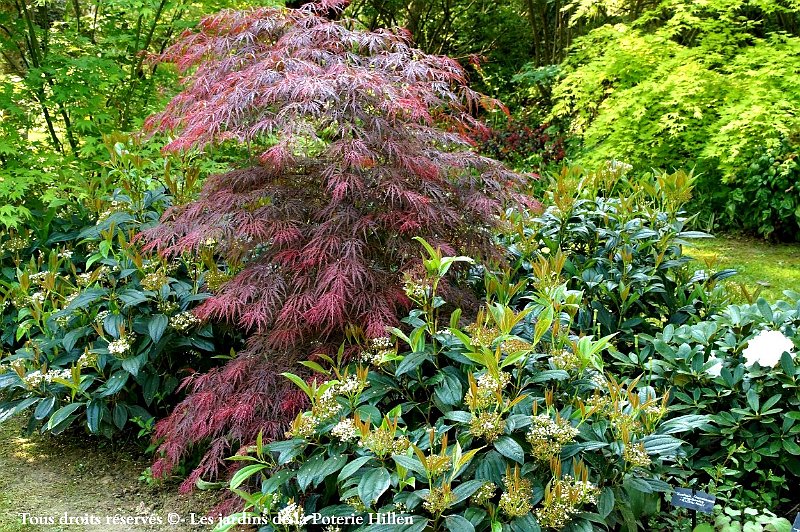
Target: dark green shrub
x,y
619,242
765,196
509,422
750,454
98,331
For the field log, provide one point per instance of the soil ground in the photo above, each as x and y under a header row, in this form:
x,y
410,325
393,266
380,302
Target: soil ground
x,y
48,477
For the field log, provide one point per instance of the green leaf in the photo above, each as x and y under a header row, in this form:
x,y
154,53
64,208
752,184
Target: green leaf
x,y
62,414
245,473
373,485
131,297
752,399
605,504
456,523
309,470
150,388
449,391
94,414
410,463
459,416
787,364
509,448
44,408
791,447
765,309
411,362
156,327
113,384
329,467
466,489
353,466
661,444
276,481
120,415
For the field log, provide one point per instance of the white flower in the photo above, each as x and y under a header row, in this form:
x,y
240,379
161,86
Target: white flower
x,y
345,430
716,368
121,346
184,321
292,514
766,348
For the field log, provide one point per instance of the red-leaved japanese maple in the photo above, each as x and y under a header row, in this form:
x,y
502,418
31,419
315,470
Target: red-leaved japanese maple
x,y
361,143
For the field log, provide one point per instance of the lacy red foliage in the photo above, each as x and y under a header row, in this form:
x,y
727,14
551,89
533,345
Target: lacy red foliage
x,y
363,143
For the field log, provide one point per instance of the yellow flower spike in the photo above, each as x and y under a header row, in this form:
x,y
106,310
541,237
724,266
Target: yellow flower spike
x,y
535,407
548,397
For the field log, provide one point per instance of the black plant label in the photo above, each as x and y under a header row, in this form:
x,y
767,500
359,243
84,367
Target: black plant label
x,y
699,501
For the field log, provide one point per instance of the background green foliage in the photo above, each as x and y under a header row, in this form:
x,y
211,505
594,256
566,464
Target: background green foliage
x,y
70,73
711,86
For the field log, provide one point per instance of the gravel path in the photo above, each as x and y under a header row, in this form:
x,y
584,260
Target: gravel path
x,y
84,485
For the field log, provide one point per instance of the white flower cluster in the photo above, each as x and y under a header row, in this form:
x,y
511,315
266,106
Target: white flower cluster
x,y
35,378
345,430
66,254
38,297
766,348
548,436
378,349
292,514
184,321
14,243
417,289
120,346
38,277
489,383
87,359
618,166
350,386
101,316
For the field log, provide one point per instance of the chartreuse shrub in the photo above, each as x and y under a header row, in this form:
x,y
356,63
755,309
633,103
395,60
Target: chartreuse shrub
x,y
740,368
618,240
509,422
94,331
704,85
